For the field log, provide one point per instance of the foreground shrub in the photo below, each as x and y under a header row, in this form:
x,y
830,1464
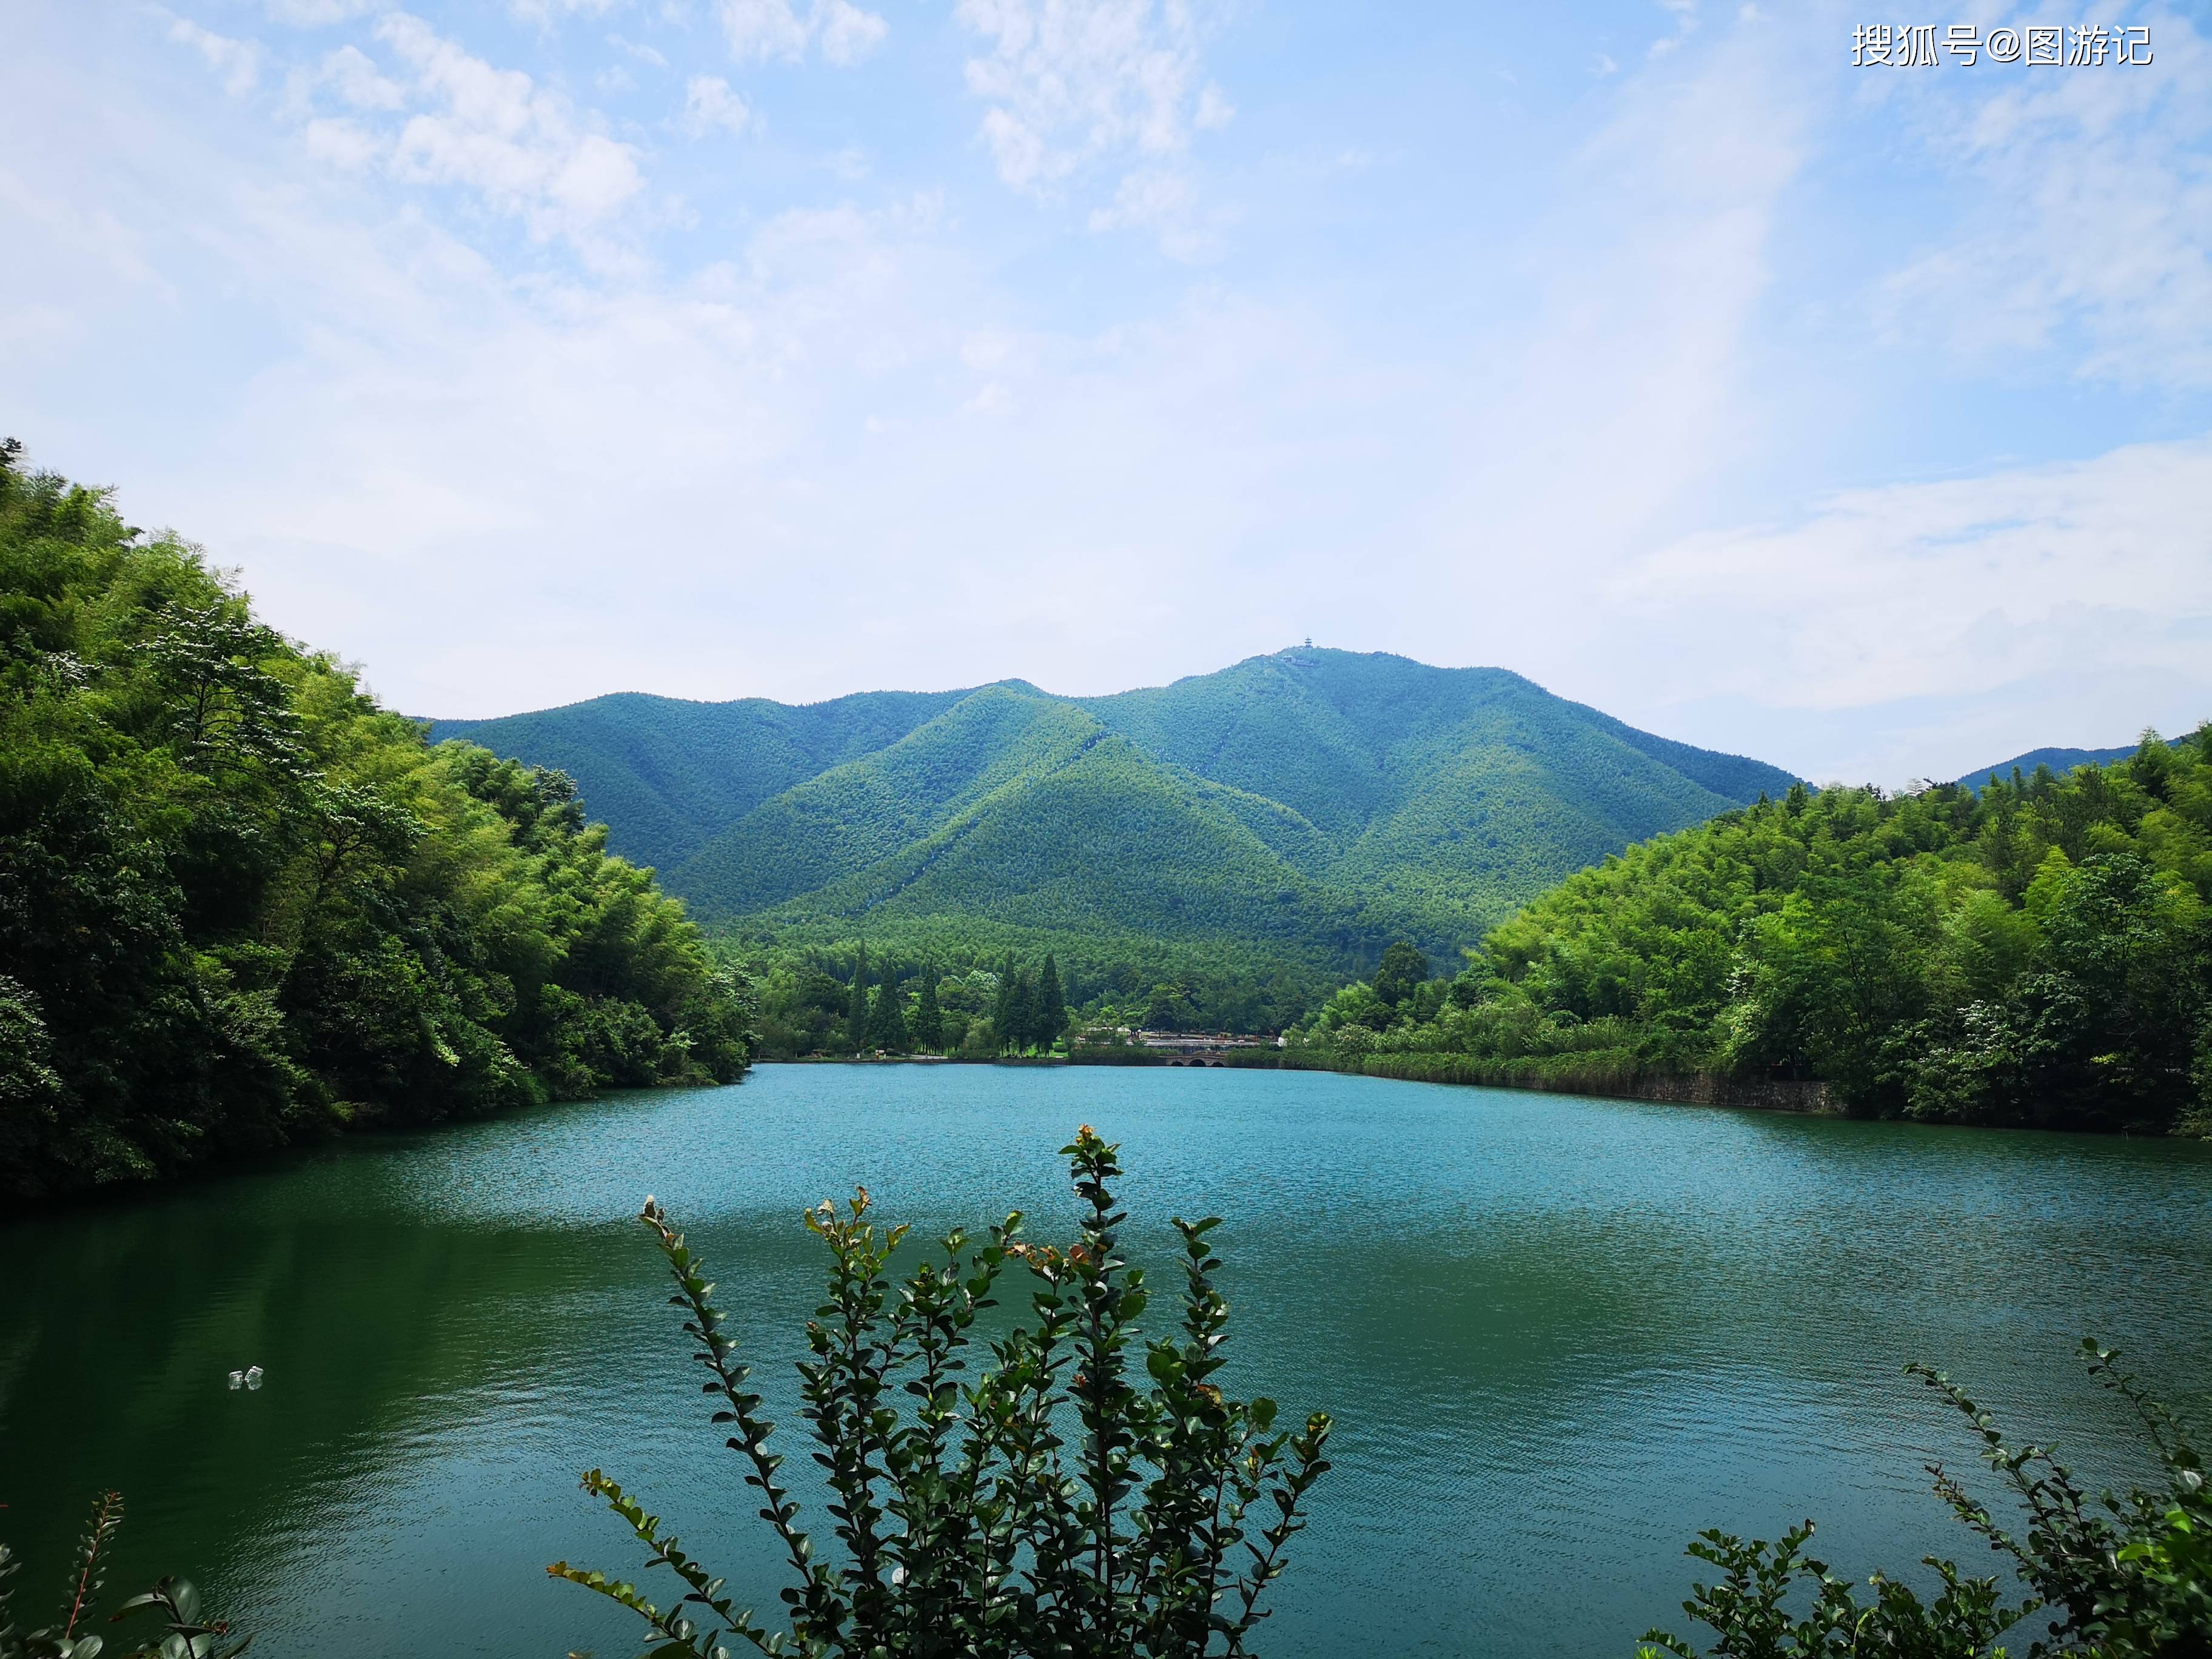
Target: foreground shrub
x,y
183,1634
2117,1577
1049,1507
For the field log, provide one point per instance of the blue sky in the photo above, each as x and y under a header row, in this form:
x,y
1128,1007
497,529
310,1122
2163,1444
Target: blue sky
x,y
1856,418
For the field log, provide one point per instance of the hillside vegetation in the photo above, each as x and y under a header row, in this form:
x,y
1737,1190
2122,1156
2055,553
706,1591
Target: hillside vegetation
x,y
241,905
2040,954
1277,822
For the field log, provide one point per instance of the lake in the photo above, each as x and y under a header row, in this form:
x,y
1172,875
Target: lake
x,y
1559,1336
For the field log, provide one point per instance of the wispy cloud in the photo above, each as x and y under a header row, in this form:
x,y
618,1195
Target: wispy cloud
x,y
238,62
545,13
760,30
638,49
313,14
2089,223
1070,83
1166,203
1959,597
710,106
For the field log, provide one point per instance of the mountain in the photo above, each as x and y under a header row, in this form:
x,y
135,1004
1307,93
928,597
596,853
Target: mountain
x,y
1311,804
2061,761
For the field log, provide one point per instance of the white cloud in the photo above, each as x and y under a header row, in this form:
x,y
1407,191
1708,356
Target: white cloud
x,y
457,119
1166,203
848,33
1873,596
342,144
545,13
643,53
760,30
1951,596
1070,82
355,77
709,106
1684,16
311,14
2088,223
237,62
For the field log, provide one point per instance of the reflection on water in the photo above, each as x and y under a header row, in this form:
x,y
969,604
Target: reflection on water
x,y
1559,1337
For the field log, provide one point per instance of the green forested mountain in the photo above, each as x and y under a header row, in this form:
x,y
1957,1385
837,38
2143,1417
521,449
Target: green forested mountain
x,y
2039,952
1308,805
671,773
2059,761
240,904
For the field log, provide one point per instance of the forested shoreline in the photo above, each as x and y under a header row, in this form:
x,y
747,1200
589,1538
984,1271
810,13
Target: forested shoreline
x,y
242,905
2037,953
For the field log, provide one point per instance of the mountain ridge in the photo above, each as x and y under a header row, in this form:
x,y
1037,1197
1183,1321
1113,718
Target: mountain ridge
x,y
2059,760
1311,801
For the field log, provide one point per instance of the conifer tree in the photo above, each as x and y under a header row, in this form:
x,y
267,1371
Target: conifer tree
x,y
928,1018
1051,1006
887,1022
856,1008
1002,1008
1022,1011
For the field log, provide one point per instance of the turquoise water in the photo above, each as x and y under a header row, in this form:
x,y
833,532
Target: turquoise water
x,y
1559,1337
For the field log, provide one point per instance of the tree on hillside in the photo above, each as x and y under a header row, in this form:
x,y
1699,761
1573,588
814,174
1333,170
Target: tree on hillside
x,y
928,1018
856,1003
1402,971
1051,1007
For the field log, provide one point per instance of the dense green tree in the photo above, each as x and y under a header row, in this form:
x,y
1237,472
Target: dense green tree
x,y
1403,968
241,905
1006,1016
887,1017
856,1006
1170,1008
1049,1023
1103,981
1019,1031
928,1018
